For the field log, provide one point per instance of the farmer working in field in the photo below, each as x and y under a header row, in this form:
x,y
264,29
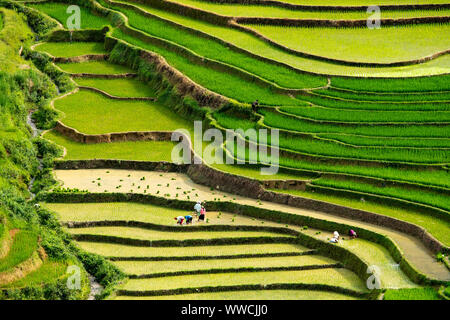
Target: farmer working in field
x,y
180,220
202,215
198,208
352,234
188,219
335,238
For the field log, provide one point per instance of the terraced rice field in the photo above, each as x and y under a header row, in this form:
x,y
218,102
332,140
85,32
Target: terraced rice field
x,y
58,11
249,10
248,42
245,261
379,145
177,186
119,87
250,295
94,67
142,150
86,212
386,45
92,113
69,50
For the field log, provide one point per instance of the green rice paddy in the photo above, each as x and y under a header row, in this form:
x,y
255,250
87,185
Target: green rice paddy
x,y
386,120
384,97
360,2
92,113
249,10
250,43
68,50
133,88
417,84
23,246
94,67
58,12
48,272
318,147
412,294
384,45
141,150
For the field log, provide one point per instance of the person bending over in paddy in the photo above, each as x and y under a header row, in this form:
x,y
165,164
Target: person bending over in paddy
x,y
188,219
352,234
335,238
180,220
202,215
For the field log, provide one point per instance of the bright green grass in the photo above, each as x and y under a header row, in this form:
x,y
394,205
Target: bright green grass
x,y
387,106
248,10
437,227
361,2
148,267
117,250
1,21
254,172
58,12
412,294
332,114
250,43
283,121
212,49
437,83
119,87
73,49
338,277
139,150
387,97
94,67
384,45
388,141
223,83
13,34
92,113
250,295
145,234
438,177
23,246
48,272
319,147
432,198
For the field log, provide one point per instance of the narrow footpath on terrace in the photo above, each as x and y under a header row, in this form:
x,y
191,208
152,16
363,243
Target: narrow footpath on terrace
x,y
170,184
